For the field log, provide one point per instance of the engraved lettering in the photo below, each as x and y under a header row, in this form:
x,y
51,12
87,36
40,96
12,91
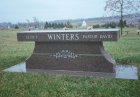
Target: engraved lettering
x,y
31,37
105,36
95,36
67,37
90,36
109,36
63,36
72,37
58,37
50,36
76,36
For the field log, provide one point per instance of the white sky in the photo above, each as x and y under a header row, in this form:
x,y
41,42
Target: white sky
x,y
46,10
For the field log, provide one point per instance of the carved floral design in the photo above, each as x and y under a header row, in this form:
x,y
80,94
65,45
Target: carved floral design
x,y
65,54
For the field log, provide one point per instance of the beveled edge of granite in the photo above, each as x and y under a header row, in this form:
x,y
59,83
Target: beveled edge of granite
x,y
74,73
93,30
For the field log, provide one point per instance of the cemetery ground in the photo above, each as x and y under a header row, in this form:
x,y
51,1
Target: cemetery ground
x,y
125,51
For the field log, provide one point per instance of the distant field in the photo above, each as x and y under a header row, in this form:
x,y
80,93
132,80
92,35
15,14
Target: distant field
x,y
125,51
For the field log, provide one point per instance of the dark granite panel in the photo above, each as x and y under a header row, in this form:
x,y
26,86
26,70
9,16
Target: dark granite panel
x,y
71,56
74,36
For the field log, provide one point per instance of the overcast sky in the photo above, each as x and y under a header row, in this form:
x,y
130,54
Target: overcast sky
x,y
47,10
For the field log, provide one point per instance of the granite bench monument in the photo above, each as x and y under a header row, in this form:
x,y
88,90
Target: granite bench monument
x,y
70,50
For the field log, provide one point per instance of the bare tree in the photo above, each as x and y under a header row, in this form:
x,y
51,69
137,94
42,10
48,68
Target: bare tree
x,y
36,22
28,23
139,23
122,7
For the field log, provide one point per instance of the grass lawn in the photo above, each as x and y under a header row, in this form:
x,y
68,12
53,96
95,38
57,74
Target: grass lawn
x,y
125,51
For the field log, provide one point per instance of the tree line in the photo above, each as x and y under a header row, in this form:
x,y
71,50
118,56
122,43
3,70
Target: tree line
x,y
111,25
55,25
